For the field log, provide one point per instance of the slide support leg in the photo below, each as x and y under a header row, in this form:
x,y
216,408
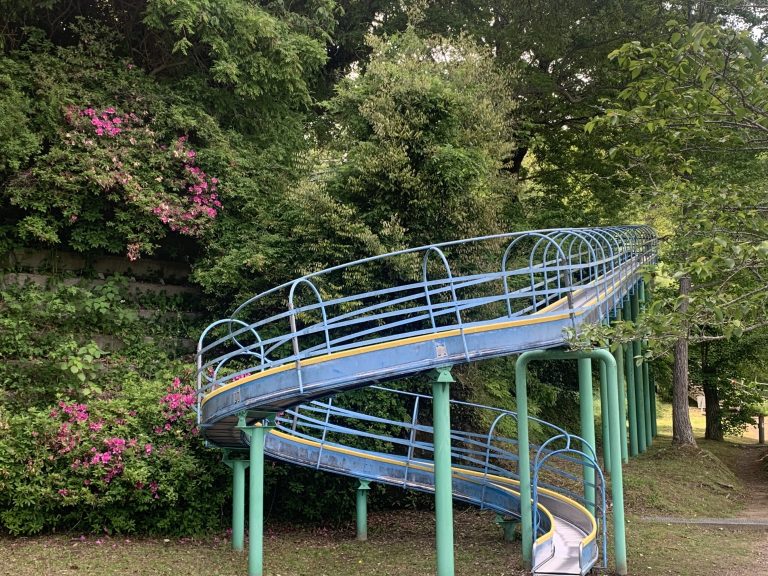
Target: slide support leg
x,y
524,463
618,356
617,480
238,466
441,379
257,434
652,387
361,509
605,418
638,376
524,458
647,396
238,504
587,412
631,395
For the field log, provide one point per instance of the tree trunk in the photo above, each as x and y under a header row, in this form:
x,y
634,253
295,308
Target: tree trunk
x,y
714,429
682,432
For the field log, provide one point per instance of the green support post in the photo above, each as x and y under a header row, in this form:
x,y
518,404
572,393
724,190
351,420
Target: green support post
x,y
650,400
631,396
361,509
605,418
524,462
647,396
587,413
510,527
638,376
652,385
618,356
524,457
257,435
441,420
617,480
238,466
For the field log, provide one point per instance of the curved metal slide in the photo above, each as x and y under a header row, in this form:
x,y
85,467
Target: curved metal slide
x,y
441,305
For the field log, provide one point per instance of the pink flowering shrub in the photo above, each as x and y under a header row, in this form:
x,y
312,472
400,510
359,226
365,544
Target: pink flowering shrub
x,y
128,160
130,461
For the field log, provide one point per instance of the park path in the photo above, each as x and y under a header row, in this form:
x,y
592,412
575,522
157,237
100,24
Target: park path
x,y
751,466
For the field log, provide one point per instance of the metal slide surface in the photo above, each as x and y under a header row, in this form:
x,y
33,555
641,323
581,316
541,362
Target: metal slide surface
x,y
441,305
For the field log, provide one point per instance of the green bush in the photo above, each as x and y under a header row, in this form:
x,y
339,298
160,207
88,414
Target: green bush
x,y
128,461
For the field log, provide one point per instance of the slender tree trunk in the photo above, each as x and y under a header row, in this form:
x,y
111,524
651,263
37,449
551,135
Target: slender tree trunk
x,y
682,432
714,429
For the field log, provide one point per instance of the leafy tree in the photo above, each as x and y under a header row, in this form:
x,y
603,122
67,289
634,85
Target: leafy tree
x,y
691,124
728,371
420,137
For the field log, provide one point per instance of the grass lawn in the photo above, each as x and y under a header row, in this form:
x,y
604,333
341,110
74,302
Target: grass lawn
x,y
662,482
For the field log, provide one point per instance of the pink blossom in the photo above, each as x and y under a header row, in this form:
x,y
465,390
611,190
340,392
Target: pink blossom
x,y
148,449
133,251
116,445
63,492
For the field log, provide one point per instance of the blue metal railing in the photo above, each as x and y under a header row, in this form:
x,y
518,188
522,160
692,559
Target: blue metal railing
x,y
431,289
484,453
568,449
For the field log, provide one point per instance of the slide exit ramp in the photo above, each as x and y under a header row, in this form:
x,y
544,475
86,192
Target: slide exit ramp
x,y
331,437
397,314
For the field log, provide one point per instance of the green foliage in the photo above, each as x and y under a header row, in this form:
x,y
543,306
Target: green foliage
x,y
18,137
127,461
421,137
256,53
62,341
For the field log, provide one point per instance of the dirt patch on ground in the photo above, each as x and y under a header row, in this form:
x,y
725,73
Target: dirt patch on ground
x,y
749,465
748,462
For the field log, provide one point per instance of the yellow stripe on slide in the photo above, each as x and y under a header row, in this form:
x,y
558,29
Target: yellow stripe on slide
x,y
499,481
387,345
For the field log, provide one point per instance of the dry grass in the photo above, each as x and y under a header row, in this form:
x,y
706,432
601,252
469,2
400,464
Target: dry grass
x,y
399,543
663,481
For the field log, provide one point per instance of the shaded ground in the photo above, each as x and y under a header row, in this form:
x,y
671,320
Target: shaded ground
x,y
724,480
400,543
729,481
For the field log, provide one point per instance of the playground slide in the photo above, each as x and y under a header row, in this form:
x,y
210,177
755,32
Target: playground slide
x,y
568,540
548,282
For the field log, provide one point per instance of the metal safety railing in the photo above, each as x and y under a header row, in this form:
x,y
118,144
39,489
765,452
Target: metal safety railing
x,y
573,448
449,286
484,454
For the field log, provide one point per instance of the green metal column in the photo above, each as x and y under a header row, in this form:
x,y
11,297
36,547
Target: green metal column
x,y
618,356
257,434
605,418
647,396
650,400
652,386
441,418
587,413
617,485
524,459
238,504
361,509
617,480
631,396
651,382
510,527
638,375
